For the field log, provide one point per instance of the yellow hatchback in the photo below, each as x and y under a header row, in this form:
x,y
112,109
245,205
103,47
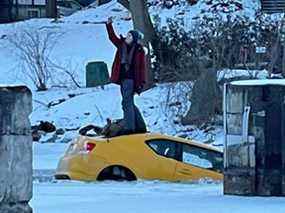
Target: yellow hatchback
x,y
139,156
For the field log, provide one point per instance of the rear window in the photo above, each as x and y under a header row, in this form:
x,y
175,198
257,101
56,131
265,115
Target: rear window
x,y
163,147
201,157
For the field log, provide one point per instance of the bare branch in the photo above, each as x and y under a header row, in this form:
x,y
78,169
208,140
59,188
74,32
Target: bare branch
x,y
33,48
69,71
125,4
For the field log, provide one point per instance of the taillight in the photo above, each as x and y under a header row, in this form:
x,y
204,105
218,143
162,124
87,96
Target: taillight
x,y
89,147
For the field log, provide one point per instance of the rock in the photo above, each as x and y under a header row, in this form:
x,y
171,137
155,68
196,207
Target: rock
x,y
46,127
60,131
175,104
3,36
54,103
36,135
84,130
71,95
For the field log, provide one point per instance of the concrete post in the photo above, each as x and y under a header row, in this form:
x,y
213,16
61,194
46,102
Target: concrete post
x,y
15,150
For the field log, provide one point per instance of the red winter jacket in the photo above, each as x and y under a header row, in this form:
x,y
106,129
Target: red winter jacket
x,y
139,61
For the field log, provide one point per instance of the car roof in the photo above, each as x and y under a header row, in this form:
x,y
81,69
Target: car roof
x,y
154,136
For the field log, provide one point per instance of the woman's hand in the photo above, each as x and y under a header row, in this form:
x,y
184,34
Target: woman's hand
x,y
110,20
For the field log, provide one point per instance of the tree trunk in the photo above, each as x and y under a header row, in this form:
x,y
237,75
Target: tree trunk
x,y
204,99
125,3
10,8
283,59
142,22
51,9
141,19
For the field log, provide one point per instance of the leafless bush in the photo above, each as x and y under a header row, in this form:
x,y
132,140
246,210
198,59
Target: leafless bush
x,y
176,104
69,70
33,49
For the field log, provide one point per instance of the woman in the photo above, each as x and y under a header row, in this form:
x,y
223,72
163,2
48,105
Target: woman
x,y
129,71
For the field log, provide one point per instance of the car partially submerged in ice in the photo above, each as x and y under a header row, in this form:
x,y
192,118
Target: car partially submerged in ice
x,y
139,156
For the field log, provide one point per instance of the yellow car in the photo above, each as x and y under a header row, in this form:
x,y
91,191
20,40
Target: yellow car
x,y
139,156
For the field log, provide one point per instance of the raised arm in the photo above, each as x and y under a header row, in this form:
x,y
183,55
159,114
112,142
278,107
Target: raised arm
x,y
143,68
111,33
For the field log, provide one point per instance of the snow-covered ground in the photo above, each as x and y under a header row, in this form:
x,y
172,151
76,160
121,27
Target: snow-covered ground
x,y
51,196
46,156
79,44
146,196
96,105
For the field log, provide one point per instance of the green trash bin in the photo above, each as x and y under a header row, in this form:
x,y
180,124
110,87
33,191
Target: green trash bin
x,y
97,74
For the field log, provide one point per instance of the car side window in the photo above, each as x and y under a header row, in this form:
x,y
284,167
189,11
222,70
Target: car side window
x,y
164,148
203,158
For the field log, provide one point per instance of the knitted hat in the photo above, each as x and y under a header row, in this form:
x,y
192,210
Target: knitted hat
x,y
136,35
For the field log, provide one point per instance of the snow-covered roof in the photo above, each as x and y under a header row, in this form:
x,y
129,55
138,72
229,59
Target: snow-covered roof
x,y
30,2
263,82
12,85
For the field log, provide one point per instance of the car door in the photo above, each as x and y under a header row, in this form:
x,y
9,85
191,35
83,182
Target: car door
x,y
198,163
163,160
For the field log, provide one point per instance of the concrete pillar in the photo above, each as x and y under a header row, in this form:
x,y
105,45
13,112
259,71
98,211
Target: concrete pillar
x,y
16,181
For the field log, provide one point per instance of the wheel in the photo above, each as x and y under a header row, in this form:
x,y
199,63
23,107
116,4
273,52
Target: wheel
x,y
118,173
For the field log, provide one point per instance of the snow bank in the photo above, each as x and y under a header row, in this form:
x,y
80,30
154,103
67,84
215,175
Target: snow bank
x,y
280,82
96,105
235,73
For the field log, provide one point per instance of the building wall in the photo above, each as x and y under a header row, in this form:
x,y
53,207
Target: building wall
x,y
25,12
254,152
4,11
21,9
273,6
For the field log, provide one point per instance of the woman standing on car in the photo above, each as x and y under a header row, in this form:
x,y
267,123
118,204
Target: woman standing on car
x,y
129,71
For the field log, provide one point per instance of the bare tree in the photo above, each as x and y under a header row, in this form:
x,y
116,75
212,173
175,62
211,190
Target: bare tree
x,y
33,49
68,69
